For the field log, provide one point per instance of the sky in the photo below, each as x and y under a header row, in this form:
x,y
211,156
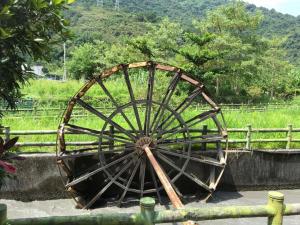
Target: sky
x,y
284,6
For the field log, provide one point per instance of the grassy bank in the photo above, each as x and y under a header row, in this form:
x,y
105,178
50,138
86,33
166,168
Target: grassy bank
x,y
279,118
56,94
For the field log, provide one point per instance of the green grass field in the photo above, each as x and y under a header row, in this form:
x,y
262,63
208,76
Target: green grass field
x,y
234,119
51,94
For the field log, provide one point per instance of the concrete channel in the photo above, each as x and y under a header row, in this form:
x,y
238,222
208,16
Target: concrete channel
x,y
38,191
38,177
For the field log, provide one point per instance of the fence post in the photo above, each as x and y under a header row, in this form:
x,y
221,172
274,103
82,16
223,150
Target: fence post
x,y
3,214
147,205
275,202
34,110
111,141
289,136
248,137
6,134
204,132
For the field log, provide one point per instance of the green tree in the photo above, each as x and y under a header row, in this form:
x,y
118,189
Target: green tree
x,y
121,53
86,59
28,29
160,43
275,71
225,49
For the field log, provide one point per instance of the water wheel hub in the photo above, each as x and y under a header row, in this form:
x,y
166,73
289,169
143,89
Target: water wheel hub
x,y
144,142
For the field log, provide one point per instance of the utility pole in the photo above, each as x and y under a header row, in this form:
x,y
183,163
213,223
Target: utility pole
x,y
65,69
117,5
100,3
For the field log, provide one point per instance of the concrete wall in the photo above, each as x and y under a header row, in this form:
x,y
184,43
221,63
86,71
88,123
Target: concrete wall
x,y
38,177
261,170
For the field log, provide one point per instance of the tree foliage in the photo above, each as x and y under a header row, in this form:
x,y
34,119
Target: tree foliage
x,y
28,29
109,25
86,60
225,50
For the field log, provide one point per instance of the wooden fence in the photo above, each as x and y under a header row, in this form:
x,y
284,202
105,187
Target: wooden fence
x,y
244,143
225,107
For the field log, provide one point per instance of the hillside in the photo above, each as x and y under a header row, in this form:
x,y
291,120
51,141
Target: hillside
x,y
96,23
90,22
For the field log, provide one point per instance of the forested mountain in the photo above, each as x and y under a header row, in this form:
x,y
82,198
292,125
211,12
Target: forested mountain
x,y
90,20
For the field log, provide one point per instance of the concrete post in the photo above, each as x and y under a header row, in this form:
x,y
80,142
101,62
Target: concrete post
x,y
248,137
147,205
289,136
3,214
6,134
275,202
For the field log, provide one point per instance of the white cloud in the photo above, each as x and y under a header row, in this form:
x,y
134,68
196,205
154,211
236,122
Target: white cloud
x,y
285,6
267,3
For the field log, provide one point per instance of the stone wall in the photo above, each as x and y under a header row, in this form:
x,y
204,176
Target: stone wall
x,y
38,176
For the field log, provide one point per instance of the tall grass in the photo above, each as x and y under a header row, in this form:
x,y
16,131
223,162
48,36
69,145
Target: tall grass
x,y
54,93
279,118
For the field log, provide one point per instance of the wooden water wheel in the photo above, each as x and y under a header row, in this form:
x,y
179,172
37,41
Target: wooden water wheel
x,y
149,139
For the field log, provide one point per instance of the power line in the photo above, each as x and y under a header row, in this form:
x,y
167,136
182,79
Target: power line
x,y
65,69
117,5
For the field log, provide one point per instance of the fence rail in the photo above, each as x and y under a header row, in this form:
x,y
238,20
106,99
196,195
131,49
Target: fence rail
x,y
247,132
225,107
275,209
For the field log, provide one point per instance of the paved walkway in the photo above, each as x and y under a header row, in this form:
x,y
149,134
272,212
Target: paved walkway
x,y
60,207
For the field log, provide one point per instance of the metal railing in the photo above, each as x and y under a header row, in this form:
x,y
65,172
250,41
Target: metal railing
x,y
275,209
246,142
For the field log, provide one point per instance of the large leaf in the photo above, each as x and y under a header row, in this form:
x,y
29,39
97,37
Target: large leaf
x,y
1,146
4,33
70,1
12,156
57,2
7,167
10,143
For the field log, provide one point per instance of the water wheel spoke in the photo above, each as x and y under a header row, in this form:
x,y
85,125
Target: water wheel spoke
x,y
210,139
103,117
113,179
155,183
77,151
220,153
149,99
142,176
191,177
95,171
78,129
220,127
167,97
100,82
201,159
78,154
169,185
189,123
180,109
129,183
82,152
83,130
132,98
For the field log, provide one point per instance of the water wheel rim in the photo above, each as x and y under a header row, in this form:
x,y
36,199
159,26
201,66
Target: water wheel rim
x,y
61,145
